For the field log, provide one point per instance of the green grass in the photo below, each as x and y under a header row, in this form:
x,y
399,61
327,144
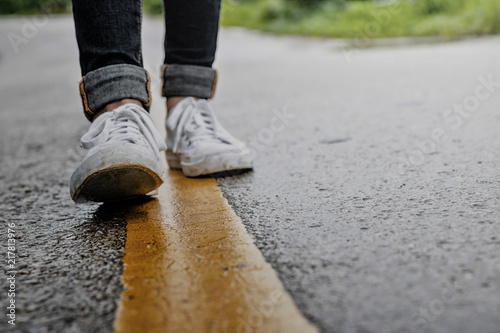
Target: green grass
x,y
332,18
362,19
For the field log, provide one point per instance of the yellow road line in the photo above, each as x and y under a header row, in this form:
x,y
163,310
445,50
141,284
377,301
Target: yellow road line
x,y
190,266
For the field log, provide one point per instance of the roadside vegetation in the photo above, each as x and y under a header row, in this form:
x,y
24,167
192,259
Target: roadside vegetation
x,y
31,7
361,19
332,18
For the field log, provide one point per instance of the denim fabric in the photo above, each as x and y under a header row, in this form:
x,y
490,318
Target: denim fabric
x,y
188,80
113,83
109,33
191,31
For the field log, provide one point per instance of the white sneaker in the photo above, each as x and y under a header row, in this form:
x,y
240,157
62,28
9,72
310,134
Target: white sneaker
x,y
199,145
123,159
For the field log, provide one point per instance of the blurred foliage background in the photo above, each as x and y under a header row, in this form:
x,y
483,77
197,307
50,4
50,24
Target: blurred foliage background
x,y
366,19
27,7
332,18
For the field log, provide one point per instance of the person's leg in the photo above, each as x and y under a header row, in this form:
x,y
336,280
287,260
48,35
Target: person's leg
x,y
109,39
190,45
123,158
196,141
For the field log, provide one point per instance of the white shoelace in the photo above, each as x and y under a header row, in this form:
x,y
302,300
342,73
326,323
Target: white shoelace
x,y
128,123
196,123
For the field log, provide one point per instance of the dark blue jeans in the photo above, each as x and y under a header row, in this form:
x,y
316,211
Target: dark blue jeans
x,y
109,39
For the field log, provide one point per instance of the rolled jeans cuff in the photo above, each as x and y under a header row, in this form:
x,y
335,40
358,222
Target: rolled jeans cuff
x,y
113,83
188,80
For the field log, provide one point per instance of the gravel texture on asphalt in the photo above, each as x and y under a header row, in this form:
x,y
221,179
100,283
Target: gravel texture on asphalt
x,y
68,257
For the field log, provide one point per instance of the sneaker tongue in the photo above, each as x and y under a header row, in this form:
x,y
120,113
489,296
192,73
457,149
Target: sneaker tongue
x,y
200,127
191,121
126,130
194,124
126,123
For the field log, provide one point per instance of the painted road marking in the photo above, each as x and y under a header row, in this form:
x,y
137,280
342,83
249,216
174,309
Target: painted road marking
x,y
190,266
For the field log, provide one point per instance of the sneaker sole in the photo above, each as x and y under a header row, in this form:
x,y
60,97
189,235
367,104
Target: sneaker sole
x,y
212,164
115,173
117,183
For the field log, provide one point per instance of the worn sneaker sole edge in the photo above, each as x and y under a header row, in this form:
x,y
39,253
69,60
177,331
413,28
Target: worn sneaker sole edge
x,y
117,183
121,163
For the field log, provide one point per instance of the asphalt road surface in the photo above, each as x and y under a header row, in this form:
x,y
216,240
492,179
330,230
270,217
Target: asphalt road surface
x,y
375,194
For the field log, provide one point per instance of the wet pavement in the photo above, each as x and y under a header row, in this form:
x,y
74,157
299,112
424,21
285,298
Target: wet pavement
x,y
68,257
375,192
